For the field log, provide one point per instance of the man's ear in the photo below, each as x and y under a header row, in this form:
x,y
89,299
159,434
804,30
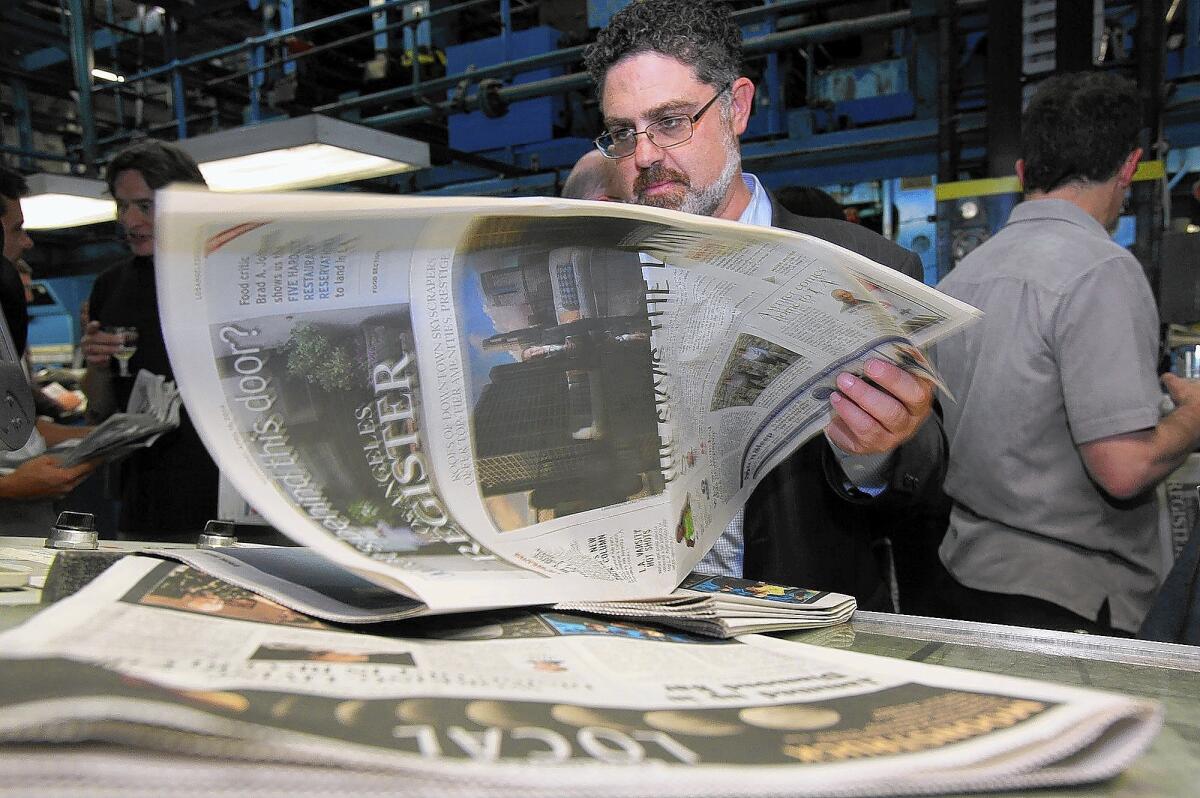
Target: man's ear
x,y
1020,166
1129,168
743,101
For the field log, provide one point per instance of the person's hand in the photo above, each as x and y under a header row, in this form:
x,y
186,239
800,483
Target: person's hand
x,y
873,420
99,346
1183,391
43,478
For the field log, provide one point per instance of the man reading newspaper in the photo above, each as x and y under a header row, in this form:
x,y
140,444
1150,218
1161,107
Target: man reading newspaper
x,y
674,101
482,402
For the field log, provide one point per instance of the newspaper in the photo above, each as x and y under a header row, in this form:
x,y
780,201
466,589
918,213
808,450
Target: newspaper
x,y
717,606
725,606
545,703
481,403
153,409
1179,509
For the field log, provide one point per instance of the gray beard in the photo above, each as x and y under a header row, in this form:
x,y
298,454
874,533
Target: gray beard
x,y
706,201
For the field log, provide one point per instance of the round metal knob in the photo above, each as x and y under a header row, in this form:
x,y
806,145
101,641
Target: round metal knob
x,y
216,534
73,531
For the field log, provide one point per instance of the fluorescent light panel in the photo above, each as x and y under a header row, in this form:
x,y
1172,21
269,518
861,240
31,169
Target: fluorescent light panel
x,y
302,152
305,166
56,201
104,74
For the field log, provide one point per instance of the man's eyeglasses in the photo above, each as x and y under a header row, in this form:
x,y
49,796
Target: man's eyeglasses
x,y
670,131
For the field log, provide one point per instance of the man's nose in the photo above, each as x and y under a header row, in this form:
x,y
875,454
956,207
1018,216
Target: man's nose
x,y
646,152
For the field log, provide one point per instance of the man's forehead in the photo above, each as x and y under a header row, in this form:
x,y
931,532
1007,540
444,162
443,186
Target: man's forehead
x,y
131,188
639,84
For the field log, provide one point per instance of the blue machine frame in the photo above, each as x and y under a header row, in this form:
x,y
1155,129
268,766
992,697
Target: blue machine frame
x,y
873,122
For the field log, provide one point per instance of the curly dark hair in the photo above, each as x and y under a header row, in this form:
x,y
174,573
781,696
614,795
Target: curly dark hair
x,y
1079,127
159,162
13,185
699,33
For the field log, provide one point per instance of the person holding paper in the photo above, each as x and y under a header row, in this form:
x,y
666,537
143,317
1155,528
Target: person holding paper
x,y
674,101
36,478
169,490
1056,441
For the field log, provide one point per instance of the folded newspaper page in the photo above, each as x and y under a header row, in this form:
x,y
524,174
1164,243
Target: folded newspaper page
x,y
717,606
480,403
153,409
156,655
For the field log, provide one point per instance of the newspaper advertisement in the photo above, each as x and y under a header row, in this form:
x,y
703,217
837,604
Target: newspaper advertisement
x,y
480,402
155,654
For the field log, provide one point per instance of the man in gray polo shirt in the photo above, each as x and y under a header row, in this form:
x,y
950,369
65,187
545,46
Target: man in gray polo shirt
x,y
1056,439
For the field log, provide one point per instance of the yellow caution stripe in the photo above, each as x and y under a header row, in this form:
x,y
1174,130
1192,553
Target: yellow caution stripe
x,y
1148,170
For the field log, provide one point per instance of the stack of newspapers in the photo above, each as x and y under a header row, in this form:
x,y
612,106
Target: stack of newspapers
x,y
715,606
200,687
478,419
725,606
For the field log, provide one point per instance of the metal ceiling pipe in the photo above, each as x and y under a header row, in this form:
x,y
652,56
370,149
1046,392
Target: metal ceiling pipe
x,y
81,66
760,44
510,94
269,38
569,55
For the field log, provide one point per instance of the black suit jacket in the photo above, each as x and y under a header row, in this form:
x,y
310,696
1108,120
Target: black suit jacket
x,y
803,524
13,305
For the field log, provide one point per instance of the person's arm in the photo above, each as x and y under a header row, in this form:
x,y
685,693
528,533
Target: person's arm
x,y
868,473
899,449
1127,465
909,473
43,478
98,349
57,433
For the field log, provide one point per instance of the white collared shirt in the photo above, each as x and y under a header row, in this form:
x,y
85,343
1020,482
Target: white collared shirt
x,y
759,211
727,555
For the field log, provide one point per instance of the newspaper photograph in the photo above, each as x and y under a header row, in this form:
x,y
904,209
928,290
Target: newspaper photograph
x,y
481,403
547,702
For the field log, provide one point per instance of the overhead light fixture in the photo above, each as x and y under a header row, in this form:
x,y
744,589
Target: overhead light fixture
x,y
104,74
66,201
302,152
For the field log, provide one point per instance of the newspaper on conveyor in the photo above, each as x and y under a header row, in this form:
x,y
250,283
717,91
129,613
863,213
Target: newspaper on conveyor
x,y
155,656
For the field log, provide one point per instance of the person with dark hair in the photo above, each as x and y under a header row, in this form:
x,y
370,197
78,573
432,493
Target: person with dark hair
x,y
810,201
674,100
16,281
170,489
33,478
592,178
16,243
159,164
1057,440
